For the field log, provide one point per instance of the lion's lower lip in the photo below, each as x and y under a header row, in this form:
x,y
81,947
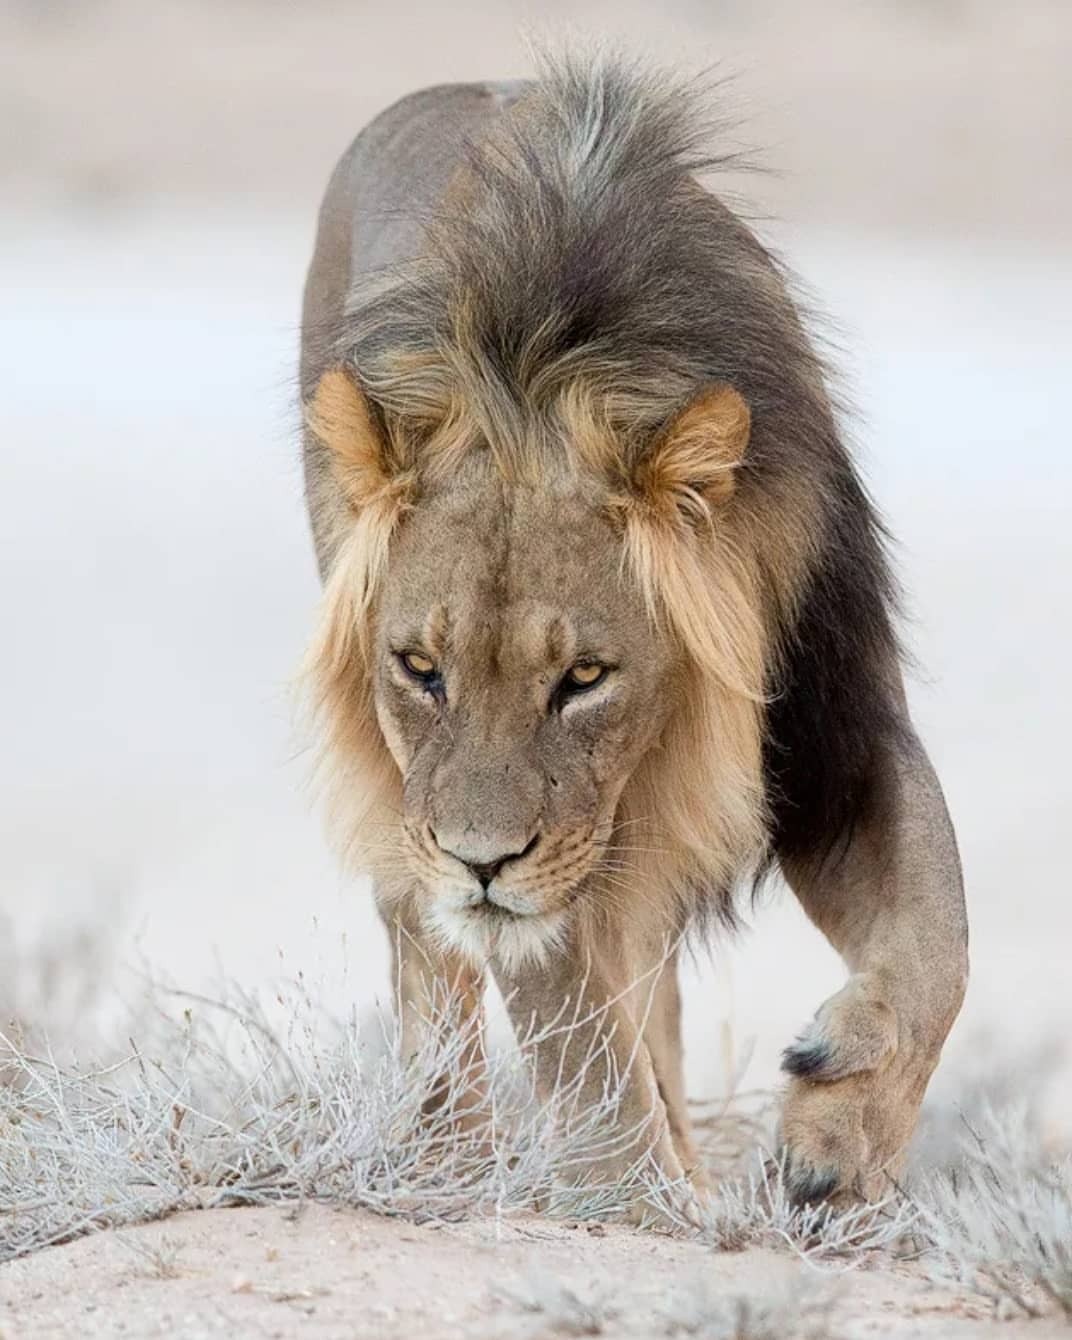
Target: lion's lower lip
x,y
491,908
488,901
494,909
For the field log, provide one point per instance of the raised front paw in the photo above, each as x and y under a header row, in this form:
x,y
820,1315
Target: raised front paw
x,y
853,1099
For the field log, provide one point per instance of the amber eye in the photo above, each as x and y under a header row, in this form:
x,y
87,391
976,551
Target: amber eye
x,y
418,665
584,675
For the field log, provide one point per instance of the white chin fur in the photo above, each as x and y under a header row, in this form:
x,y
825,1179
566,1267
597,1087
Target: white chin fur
x,y
516,942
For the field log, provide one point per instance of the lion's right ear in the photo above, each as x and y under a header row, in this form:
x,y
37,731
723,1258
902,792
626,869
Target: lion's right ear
x,y
339,417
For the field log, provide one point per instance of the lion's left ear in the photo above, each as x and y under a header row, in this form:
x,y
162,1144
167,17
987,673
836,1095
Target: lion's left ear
x,y
341,418
690,467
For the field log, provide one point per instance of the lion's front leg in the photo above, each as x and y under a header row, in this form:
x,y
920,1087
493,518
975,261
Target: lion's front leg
x,y
892,904
662,1035
440,1017
581,1019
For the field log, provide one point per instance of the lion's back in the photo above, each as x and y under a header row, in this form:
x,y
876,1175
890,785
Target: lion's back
x,y
384,188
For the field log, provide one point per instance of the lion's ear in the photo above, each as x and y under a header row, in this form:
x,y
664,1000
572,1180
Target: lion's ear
x,y
339,416
690,466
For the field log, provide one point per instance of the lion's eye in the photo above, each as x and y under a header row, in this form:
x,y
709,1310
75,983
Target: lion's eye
x,y
419,666
583,675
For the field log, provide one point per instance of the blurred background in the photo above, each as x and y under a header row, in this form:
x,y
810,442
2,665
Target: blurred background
x,y
161,163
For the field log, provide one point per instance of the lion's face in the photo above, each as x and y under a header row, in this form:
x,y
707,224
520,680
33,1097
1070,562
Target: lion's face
x,y
542,699
518,680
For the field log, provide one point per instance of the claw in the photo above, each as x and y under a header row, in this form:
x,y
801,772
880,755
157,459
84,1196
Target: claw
x,y
808,1059
808,1185
804,1183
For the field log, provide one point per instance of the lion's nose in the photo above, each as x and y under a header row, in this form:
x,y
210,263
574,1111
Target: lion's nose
x,y
487,872
484,867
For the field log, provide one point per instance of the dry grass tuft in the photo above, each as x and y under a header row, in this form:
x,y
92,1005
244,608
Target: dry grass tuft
x,y
1000,1220
160,1260
222,1107
543,1307
755,1211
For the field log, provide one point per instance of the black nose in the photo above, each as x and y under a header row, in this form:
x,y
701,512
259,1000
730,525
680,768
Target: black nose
x,y
485,871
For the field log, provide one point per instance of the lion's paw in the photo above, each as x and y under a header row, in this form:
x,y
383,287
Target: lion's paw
x,y
852,1101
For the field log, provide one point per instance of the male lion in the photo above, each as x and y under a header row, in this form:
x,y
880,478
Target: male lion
x,y
606,627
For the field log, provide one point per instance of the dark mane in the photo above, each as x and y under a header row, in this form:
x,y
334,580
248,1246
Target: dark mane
x,y
577,246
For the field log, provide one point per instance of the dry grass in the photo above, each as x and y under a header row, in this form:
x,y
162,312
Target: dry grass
x,y
160,1260
218,1105
544,1307
1000,1220
221,1106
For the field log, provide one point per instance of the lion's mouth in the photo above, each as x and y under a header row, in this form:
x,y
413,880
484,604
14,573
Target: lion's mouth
x,y
499,903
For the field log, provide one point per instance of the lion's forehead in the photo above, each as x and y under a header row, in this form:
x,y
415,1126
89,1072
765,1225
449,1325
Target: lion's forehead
x,y
501,572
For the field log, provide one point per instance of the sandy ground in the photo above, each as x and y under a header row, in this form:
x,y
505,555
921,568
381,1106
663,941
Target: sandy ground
x,y
159,170
340,1275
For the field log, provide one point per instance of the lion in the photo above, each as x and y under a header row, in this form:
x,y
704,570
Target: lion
x,y
608,628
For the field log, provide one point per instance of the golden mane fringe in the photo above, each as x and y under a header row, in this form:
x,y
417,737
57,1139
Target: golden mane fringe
x,y
354,768
700,791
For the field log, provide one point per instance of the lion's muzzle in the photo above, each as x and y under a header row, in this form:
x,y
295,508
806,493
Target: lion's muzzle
x,y
483,857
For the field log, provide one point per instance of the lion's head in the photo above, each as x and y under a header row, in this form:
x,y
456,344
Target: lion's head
x,y
519,644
